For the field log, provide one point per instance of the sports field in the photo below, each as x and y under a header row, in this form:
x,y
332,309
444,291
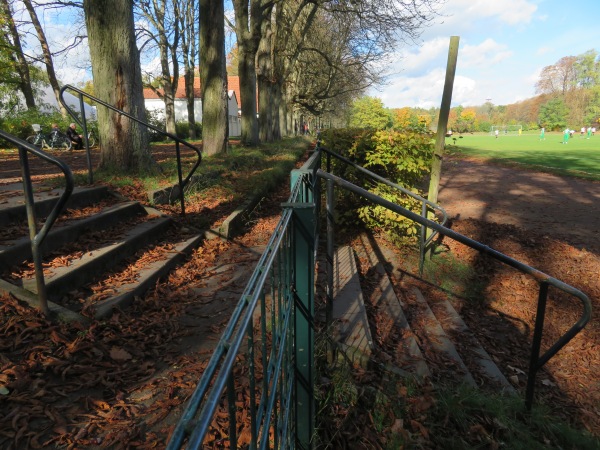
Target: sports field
x,y
580,157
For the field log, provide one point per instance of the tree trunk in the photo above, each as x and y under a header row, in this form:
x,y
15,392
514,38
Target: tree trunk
x,y
213,77
247,30
264,76
21,62
247,74
187,23
47,55
117,81
169,85
190,99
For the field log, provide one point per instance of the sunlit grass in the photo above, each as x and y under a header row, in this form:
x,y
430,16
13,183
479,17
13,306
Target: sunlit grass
x,y
579,158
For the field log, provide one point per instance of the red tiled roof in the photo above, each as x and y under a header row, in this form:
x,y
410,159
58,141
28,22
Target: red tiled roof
x,y
233,83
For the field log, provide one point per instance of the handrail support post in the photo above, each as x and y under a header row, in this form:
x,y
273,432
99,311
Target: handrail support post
x,y
536,344
32,224
86,140
330,256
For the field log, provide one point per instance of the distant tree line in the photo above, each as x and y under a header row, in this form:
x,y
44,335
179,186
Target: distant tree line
x,y
568,96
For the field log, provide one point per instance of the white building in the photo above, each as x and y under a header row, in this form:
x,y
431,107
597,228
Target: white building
x,y
153,102
46,102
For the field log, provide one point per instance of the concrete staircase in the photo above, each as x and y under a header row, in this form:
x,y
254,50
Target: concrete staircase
x,y
96,238
414,336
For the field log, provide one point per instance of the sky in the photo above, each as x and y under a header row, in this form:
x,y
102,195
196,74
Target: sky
x,y
504,45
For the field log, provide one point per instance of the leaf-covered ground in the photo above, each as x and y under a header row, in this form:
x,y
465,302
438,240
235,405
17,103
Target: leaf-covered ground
x,y
122,383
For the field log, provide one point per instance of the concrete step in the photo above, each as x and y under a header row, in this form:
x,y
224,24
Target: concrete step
x,y
351,324
12,208
442,335
470,347
433,338
17,251
407,355
91,264
147,278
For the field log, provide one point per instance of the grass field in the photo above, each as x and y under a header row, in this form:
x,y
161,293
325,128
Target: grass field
x,y
579,158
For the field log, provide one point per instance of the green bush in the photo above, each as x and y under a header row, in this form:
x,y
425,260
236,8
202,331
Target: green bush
x,y
183,130
401,156
155,118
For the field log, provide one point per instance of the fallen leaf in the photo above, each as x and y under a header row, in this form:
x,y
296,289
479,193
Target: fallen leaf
x,y
118,354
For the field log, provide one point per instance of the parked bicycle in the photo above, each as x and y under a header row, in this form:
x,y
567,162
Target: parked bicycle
x,y
92,138
53,140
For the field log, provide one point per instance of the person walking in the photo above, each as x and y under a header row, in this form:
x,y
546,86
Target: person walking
x,y
566,136
543,134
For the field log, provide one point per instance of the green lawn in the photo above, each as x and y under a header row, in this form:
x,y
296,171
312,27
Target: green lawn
x,y
580,157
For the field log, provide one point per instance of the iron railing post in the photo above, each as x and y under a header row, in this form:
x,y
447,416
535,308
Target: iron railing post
x,y
303,279
330,254
88,154
33,235
536,344
422,239
180,178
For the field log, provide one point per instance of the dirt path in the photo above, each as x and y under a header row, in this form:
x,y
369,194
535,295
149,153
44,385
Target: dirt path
x,y
560,207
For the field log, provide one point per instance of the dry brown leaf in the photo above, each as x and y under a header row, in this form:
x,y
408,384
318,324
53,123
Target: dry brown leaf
x,y
118,354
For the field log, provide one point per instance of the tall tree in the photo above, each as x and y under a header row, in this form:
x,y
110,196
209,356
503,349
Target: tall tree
x,y
248,20
265,77
47,54
559,78
187,12
117,81
213,78
553,114
370,112
165,32
21,66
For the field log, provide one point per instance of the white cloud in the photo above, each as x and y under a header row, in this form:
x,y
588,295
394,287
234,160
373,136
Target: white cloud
x,y
421,58
544,50
426,91
483,55
511,12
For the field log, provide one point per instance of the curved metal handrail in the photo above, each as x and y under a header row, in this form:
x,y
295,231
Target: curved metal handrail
x,y
536,361
83,124
37,238
424,241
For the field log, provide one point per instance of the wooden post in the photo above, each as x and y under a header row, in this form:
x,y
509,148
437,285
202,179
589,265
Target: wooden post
x,y
440,141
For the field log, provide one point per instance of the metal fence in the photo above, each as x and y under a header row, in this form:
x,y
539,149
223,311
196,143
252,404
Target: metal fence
x,y
259,379
258,389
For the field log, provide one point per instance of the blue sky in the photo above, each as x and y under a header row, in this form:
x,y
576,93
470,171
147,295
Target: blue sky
x,y
504,44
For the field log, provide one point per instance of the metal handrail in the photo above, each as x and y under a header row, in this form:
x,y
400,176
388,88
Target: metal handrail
x,y
536,361
193,425
37,238
424,241
83,124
